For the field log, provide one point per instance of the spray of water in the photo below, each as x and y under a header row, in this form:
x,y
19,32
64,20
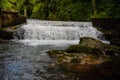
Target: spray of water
x,y
37,30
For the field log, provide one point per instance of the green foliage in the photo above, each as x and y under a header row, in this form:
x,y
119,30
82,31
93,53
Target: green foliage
x,y
76,10
107,9
6,4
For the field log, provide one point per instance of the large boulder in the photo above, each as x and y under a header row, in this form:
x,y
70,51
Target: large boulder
x,y
96,44
90,58
88,51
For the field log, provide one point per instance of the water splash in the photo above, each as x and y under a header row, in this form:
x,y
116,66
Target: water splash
x,y
55,30
51,30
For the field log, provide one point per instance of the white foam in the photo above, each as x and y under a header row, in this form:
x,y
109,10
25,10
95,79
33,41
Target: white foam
x,y
38,32
57,32
49,42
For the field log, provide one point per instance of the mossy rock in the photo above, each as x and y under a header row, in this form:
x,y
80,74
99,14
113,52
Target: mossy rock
x,y
54,53
60,59
89,51
93,43
76,60
83,49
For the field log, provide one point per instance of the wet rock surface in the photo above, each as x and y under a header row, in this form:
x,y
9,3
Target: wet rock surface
x,y
90,60
96,44
7,33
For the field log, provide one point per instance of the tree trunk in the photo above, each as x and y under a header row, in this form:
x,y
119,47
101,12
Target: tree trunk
x,y
25,11
94,7
0,17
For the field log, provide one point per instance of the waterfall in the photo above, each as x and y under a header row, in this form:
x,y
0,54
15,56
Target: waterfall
x,y
56,30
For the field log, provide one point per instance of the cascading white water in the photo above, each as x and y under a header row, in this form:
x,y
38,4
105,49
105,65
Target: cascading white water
x,y
56,30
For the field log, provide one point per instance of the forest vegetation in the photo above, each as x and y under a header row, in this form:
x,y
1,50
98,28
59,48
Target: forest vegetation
x,y
66,10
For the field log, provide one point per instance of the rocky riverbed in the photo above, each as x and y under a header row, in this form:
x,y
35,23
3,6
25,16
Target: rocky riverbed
x,y
92,57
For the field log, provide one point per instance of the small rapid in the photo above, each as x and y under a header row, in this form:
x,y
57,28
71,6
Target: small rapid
x,y
56,31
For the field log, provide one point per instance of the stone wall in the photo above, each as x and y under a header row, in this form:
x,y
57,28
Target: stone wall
x,y
8,21
9,18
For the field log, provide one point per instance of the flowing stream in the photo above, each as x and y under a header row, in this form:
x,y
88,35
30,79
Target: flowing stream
x,y
25,57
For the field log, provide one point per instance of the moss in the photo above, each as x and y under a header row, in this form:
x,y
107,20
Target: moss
x,y
82,49
61,58
53,53
90,42
89,51
71,55
96,44
75,60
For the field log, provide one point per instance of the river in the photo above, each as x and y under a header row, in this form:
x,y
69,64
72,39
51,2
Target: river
x,y
23,62
25,57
